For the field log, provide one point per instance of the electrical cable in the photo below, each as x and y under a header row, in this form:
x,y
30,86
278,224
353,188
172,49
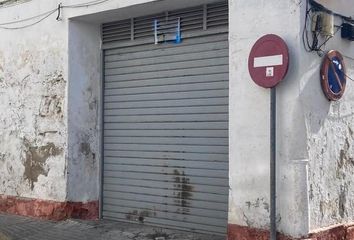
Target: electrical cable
x,y
47,14
87,4
328,38
351,79
31,24
305,32
348,57
346,75
27,19
320,7
59,12
314,45
11,4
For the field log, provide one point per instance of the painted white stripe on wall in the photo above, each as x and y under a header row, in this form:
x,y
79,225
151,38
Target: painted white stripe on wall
x,y
267,61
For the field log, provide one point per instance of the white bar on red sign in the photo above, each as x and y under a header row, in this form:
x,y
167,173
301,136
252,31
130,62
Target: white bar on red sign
x,y
268,61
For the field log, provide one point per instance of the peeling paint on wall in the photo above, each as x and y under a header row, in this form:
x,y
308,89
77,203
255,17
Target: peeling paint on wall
x,y
35,161
33,118
331,167
40,85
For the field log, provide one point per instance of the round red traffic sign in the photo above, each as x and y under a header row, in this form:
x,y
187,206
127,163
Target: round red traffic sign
x,y
268,61
333,75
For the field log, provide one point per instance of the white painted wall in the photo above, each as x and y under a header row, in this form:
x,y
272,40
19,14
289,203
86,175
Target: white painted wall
x,y
315,154
339,6
33,113
84,88
330,136
50,98
249,122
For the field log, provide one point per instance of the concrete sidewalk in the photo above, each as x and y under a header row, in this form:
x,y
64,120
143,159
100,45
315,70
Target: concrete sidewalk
x,y
24,228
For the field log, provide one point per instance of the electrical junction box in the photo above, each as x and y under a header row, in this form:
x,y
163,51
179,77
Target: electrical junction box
x,y
323,23
348,31
327,22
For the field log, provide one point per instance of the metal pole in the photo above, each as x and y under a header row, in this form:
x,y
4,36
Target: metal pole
x,y
273,224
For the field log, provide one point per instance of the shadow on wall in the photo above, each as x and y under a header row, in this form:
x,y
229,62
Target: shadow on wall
x,y
317,108
315,105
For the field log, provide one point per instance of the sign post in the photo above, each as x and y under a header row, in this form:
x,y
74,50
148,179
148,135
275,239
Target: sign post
x,y
273,155
268,64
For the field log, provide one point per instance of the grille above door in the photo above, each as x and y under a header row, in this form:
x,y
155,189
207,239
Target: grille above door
x,y
199,18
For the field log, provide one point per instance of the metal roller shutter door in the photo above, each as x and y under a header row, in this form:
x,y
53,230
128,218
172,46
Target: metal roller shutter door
x,y
166,131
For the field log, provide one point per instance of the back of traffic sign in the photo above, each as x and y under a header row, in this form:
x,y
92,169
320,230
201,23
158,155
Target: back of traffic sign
x,y
268,61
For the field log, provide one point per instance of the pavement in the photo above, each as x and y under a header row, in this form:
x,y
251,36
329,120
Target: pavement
x,y
24,228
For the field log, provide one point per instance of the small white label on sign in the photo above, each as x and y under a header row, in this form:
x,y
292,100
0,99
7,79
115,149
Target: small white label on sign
x,y
270,72
267,61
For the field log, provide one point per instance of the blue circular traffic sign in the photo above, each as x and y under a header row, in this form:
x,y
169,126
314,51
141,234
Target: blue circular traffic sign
x,y
333,75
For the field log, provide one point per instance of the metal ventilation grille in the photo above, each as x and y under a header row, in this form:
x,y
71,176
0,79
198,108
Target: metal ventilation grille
x,y
217,15
197,18
144,26
116,31
191,18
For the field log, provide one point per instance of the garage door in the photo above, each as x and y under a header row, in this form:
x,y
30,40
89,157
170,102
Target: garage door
x,y
166,121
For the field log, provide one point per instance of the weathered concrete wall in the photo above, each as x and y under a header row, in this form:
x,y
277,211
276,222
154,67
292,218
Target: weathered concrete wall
x,y
50,105
49,90
84,111
249,122
33,113
315,136
330,136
